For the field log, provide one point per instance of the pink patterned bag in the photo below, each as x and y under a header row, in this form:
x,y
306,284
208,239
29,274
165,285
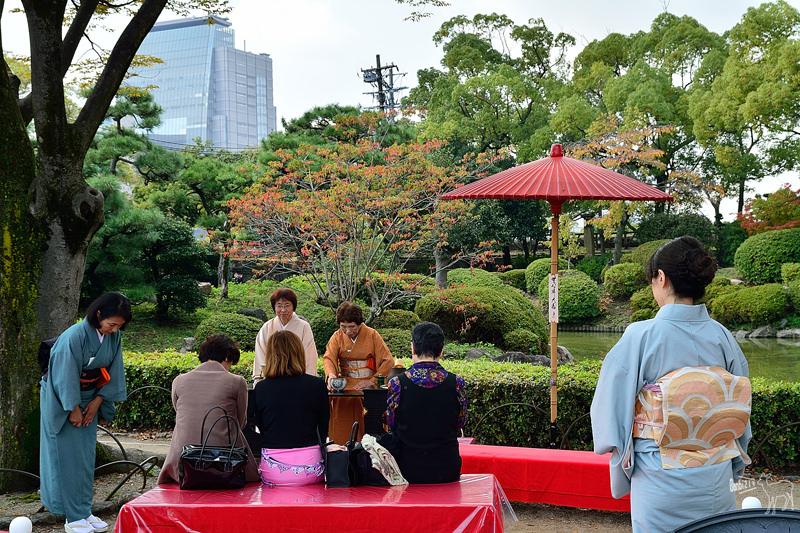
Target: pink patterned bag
x,y
292,466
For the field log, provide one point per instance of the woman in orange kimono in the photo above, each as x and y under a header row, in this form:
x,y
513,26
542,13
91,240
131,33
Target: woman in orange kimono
x,y
356,352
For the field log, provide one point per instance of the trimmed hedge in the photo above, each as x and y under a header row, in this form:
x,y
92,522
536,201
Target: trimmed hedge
x,y
671,225
522,340
643,304
752,306
482,314
538,270
323,324
759,258
793,295
397,340
578,296
489,384
396,319
642,253
514,277
473,277
243,329
593,266
790,272
622,280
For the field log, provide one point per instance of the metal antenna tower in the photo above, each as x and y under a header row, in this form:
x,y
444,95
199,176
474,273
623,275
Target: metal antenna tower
x,y
384,83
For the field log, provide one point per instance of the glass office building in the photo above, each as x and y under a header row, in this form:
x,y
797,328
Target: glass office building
x,y
207,88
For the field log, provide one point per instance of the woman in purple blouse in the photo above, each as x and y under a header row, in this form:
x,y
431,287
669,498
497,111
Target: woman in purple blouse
x,y
427,407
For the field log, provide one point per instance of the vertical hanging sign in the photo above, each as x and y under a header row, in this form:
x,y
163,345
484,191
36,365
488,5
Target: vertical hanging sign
x,y
553,298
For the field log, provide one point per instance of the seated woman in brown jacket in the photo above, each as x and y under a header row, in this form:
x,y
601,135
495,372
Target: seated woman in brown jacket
x,y
197,391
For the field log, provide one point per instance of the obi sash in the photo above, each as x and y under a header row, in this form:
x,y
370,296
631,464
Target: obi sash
x,y
361,369
94,378
695,415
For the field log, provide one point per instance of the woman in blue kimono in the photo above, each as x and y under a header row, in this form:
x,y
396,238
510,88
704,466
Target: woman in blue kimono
x,y
665,496
85,376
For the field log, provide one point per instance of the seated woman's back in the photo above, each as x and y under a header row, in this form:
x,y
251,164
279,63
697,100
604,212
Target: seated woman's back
x,y
290,410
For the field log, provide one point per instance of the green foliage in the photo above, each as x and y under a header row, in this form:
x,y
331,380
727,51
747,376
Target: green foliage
x,y
539,270
323,324
775,404
397,340
790,272
484,314
593,266
760,257
250,295
514,277
397,319
729,236
719,285
578,296
243,329
642,253
659,226
779,210
521,340
622,280
753,306
643,304
457,350
473,277
793,295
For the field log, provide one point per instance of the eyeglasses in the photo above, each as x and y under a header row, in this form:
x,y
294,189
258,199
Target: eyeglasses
x,y
283,306
349,328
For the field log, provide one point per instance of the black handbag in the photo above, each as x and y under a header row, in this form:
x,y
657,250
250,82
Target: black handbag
x,y
207,467
338,468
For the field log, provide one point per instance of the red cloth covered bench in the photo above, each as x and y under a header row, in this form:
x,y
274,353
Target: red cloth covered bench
x,y
539,475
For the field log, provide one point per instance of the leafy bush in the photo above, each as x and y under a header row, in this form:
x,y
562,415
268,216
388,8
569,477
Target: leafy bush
x,y
643,304
397,319
793,295
243,329
729,236
624,279
397,340
521,340
760,257
756,306
719,285
578,296
414,285
642,253
593,266
514,277
538,270
473,277
671,225
520,262
473,314
790,272
779,210
323,324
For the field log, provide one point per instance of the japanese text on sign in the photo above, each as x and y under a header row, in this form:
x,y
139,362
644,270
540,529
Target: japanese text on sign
x,y
553,298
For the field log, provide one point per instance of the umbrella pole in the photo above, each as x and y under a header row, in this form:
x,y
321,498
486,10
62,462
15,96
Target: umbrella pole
x,y
554,338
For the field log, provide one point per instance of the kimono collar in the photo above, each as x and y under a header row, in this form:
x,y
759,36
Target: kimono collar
x,y
692,313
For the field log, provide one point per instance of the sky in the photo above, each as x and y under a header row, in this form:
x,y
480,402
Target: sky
x,y
318,47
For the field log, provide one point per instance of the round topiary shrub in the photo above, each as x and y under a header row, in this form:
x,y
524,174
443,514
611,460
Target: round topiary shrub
x,y
718,286
759,258
397,340
538,270
323,325
521,340
643,300
397,319
473,277
642,253
514,277
578,296
624,279
754,306
243,329
793,295
483,314
671,225
790,272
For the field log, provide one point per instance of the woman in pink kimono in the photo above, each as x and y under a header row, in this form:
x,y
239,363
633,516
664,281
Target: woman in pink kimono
x,y
356,352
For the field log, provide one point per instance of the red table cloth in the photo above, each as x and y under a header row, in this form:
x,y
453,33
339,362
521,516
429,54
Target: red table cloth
x,y
539,475
474,504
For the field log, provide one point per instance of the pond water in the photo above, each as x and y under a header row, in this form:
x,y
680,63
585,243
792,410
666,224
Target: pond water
x,y
769,358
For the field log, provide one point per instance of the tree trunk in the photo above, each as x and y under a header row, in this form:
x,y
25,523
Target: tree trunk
x,y
588,239
525,248
618,242
441,269
223,269
506,255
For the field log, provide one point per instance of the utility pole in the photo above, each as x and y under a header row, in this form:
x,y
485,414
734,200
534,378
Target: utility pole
x,y
384,83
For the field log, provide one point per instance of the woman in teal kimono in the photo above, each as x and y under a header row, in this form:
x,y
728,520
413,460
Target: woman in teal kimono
x,y
681,335
85,376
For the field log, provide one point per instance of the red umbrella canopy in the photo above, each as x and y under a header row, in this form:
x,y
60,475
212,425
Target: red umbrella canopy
x,y
558,179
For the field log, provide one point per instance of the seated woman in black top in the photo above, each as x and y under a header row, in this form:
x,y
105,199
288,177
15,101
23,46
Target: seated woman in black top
x,y
291,411
427,406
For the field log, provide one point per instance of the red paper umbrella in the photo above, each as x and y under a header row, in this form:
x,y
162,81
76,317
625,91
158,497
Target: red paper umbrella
x,y
557,179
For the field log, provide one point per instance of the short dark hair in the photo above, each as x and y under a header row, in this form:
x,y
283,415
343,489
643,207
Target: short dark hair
x,y
283,294
219,347
349,312
428,339
687,265
111,304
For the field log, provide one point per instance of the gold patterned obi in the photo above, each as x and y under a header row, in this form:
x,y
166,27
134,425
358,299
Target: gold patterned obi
x,y
695,415
359,368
